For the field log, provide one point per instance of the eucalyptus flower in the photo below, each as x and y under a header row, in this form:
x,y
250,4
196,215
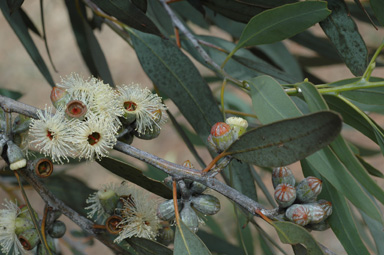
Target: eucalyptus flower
x,y
9,241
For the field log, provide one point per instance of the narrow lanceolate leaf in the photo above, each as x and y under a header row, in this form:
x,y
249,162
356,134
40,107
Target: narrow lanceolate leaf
x,y
128,13
21,30
340,147
341,220
134,175
376,229
281,22
284,142
343,32
187,243
378,9
148,247
291,233
89,46
176,76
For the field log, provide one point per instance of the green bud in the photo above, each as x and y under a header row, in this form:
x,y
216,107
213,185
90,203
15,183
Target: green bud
x,y
57,229
222,136
166,235
197,187
285,195
189,217
59,97
298,214
206,204
166,210
308,189
238,125
41,249
15,156
22,225
149,133
108,200
316,212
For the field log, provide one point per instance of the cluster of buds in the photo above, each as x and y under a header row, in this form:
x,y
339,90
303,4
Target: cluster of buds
x,y
223,134
18,233
13,142
191,201
90,116
300,201
125,211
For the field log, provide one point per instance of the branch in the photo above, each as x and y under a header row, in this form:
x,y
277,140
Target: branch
x,y
56,204
175,170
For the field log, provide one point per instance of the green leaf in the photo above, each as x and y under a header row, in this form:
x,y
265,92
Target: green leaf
x,y
281,22
128,13
342,31
87,42
378,9
15,95
291,233
371,96
270,146
269,100
187,243
341,220
21,30
176,76
14,5
148,247
218,245
371,170
72,191
376,229
233,10
29,23
136,176
341,148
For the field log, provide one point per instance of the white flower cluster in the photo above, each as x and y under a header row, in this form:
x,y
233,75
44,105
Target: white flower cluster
x,y
88,117
9,241
137,210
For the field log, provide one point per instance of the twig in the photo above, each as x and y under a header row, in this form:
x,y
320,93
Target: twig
x,y
56,204
175,170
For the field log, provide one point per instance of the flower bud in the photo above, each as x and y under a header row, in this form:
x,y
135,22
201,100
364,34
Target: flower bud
x,y
238,125
41,250
23,224
149,133
3,141
308,189
24,213
285,195
59,97
327,207
166,235
189,217
21,124
57,229
197,187
76,109
108,200
282,175
206,204
15,156
222,135
29,239
129,114
298,214
316,212
188,164
166,210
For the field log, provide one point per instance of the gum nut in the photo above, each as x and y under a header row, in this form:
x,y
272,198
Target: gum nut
x,y
166,210
197,187
327,207
57,229
321,226
238,125
298,214
166,235
188,164
212,146
29,239
149,133
222,135
206,204
41,250
285,195
316,212
282,175
169,182
308,189
189,217
24,213
59,97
